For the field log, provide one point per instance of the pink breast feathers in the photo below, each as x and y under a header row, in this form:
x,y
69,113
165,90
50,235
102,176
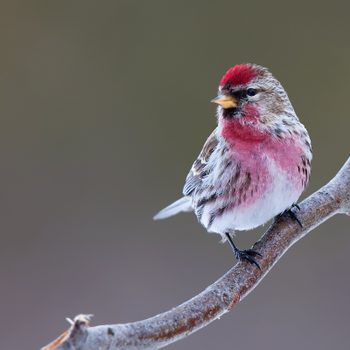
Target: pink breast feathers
x,y
259,153
244,132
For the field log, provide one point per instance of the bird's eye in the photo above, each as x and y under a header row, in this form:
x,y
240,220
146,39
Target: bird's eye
x,y
251,92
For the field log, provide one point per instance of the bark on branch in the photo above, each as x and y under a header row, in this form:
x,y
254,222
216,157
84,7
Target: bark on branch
x,y
224,294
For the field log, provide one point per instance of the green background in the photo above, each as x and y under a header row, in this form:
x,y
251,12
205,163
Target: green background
x,y
104,105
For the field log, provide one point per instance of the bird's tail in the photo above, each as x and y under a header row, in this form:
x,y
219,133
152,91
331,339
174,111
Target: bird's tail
x,y
182,204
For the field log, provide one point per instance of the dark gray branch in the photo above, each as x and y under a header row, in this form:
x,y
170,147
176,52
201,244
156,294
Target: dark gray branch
x,y
225,293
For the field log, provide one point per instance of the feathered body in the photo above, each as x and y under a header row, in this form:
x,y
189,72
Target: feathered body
x,y
255,164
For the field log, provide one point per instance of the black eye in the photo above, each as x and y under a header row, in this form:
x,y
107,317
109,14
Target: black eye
x,y
251,92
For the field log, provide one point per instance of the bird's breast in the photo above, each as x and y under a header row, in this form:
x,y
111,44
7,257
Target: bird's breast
x,y
250,184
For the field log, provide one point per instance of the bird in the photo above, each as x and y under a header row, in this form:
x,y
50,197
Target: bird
x,y
254,165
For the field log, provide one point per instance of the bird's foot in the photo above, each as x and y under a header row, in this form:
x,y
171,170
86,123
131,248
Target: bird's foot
x,y
248,255
292,214
295,205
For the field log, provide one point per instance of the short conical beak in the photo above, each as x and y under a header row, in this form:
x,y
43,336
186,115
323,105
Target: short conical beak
x,y
225,101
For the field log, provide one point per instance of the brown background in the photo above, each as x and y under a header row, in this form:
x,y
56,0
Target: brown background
x,y
104,105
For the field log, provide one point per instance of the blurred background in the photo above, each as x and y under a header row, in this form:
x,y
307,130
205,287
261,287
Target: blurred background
x,y
104,107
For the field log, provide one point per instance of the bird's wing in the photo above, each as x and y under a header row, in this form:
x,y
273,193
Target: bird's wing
x,y
197,172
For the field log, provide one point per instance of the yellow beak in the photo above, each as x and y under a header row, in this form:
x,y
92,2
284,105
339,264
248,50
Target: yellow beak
x,y
225,101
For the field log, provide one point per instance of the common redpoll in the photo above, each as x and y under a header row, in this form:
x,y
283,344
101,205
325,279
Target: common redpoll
x,y
254,165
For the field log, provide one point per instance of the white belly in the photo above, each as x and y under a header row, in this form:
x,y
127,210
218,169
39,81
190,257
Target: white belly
x,y
279,195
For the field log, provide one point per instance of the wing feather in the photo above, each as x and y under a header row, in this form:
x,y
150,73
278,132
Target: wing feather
x,y
197,172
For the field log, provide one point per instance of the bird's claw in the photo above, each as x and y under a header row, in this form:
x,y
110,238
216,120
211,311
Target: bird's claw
x,y
292,214
295,205
289,212
248,255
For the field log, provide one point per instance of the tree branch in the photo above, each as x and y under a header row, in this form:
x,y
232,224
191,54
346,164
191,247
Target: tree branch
x,y
224,294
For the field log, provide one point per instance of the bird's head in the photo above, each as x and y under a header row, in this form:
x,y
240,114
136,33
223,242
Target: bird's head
x,y
250,92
